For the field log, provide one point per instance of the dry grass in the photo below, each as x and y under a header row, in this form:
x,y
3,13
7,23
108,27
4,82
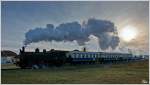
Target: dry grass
x,y
8,66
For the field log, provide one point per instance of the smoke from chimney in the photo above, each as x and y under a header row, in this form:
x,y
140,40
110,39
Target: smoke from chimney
x,y
104,30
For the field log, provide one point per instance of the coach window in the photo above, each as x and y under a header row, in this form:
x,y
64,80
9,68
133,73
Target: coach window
x,y
93,56
88,55
81,55
85,55
74,55
77,55
96,55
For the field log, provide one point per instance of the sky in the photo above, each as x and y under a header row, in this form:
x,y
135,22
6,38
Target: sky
x,y
18,17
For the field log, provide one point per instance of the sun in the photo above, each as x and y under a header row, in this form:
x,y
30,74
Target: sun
x,y
128,33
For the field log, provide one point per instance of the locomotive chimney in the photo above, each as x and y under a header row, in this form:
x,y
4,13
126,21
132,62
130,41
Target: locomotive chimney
x,y
37,50
44,50
23,49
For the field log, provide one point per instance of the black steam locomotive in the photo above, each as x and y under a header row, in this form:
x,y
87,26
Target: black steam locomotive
x,y
58,58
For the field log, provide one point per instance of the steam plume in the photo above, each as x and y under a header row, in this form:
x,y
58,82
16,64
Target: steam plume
x,y
104,30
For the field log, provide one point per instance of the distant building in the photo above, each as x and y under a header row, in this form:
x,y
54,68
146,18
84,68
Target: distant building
x,y
7,57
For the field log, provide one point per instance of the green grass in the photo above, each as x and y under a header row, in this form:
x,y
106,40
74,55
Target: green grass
x,y
131,73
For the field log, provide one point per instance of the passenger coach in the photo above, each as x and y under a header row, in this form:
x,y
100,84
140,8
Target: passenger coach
x,y
97,57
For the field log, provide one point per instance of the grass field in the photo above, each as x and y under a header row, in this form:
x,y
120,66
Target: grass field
x,y
131,73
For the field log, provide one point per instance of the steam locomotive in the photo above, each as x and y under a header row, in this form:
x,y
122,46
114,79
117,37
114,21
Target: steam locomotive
x,y
58,58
